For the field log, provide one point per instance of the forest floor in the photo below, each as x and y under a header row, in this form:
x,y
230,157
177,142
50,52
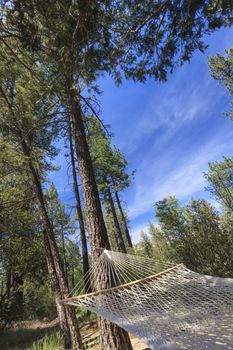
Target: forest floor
x,y
91,334
22,335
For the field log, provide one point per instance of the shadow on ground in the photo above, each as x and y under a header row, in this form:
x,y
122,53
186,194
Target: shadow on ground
x,y
23,335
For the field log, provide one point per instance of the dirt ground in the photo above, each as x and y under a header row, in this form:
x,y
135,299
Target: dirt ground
x,y
89,332
34,324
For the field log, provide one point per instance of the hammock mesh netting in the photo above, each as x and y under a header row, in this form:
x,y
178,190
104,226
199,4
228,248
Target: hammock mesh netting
x,y
167,306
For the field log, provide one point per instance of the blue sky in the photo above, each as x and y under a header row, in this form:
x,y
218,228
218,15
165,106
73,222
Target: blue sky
x,y
168,133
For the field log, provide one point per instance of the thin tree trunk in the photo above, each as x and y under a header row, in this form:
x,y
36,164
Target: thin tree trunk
x,y
117,233
66,314
112,337
72,276
8,279
18,295
80,215
64,257
2,289
128,238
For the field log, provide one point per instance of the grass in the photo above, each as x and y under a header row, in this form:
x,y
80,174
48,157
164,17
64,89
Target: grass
x,y
21,339
38,338
52,341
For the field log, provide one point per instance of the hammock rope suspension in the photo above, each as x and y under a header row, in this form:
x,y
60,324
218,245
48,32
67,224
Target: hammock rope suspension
x,y
167,306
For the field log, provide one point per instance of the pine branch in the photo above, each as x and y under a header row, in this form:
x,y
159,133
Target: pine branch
x,y
9,204
95,114
149,18
17,57
7,101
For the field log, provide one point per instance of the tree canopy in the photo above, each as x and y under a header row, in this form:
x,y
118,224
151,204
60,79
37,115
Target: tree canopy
x,y
136,38
222,70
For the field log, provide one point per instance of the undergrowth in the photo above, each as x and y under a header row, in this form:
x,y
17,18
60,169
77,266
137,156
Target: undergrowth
x,y
53,341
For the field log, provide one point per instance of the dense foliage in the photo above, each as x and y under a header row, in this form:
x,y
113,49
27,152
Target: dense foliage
x,y
221,67
196,234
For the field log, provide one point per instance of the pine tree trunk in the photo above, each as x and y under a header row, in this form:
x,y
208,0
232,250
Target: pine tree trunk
x,y
18,295
95,221
96,226
8,279
72,277
2,289
114,337
128,238
80,215
64,257
66,314
117,233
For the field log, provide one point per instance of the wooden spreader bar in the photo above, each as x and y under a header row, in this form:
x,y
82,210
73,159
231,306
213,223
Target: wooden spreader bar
x,y
122,286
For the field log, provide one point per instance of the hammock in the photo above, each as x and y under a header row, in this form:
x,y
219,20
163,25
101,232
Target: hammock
x,y
167,306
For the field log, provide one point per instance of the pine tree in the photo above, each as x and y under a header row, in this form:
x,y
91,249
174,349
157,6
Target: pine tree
x,y
195,234
27,127
21,254
222,70
111,176
220,178
79,211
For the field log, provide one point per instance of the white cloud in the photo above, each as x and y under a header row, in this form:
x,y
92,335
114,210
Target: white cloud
x,y
184,180
215,203
137,230
172,106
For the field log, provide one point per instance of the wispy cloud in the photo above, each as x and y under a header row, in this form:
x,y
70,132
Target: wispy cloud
x,y
180,131
137,231
185,179
170,108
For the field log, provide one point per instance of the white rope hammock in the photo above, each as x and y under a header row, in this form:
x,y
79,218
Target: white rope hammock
x,y
167,306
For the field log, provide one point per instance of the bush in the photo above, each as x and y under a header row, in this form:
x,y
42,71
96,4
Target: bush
x,y
38,302
53,341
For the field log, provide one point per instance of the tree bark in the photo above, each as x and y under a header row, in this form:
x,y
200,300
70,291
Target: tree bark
x,y
18,295
86,267
96,226
2,289
72,276
114,337
117,233
128,238
66,314
95,221
8,279
64,256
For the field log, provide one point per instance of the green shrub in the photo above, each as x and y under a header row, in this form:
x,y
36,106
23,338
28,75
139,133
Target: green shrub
x,y
38,302
53,341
